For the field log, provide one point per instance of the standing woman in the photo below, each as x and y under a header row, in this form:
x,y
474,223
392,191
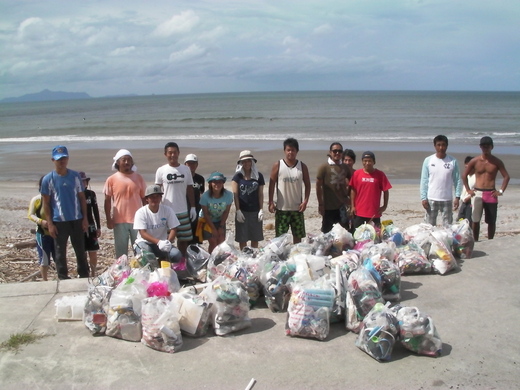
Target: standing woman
x,y
44,241
216,203
248,190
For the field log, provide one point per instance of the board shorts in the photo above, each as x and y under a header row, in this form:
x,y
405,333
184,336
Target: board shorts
x,y
184,232
91,240
293,219
485,202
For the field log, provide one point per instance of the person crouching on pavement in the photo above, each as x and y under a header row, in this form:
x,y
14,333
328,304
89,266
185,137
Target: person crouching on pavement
x,y
156,227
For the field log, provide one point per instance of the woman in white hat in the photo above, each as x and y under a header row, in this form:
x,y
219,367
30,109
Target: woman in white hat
x,y
248,190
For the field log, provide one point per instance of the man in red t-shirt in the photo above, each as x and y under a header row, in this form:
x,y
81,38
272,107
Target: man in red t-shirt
x,y
367,185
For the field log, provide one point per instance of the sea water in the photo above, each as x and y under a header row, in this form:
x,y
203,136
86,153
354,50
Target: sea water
x,y
378,120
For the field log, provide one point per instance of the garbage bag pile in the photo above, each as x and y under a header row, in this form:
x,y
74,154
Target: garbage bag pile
x,y
328,278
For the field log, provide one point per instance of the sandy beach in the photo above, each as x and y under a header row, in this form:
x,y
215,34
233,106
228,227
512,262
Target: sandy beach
x,y
21,176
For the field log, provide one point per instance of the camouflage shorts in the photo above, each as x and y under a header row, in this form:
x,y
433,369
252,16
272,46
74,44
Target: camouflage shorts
x,y
293,219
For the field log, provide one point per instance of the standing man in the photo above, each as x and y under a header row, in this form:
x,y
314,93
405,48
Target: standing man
x,y
66,210
331,188
440,175
288,176
486,166
367,185
192,162
124,195
177,183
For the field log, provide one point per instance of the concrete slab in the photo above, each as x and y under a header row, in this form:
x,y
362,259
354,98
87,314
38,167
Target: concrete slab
x,y
476,312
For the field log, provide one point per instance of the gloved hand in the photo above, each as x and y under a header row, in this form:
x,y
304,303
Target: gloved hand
x,y
193,214
164,245
260,215
240,216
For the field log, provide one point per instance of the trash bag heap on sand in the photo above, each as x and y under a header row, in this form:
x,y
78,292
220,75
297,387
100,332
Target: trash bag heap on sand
x,y
329,278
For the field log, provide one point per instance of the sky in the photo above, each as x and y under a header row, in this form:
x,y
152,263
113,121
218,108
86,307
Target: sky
x,y
113,47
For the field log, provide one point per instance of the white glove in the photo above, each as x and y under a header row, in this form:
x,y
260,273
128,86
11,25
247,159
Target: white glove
x,y
260,215
240,216
193,214
164,245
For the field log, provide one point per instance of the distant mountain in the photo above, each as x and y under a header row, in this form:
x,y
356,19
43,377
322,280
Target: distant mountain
x,y
47,95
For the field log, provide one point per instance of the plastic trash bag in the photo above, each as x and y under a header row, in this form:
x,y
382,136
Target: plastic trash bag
x,y
363,292
379,333
161,330
275,280
230,305
463,241
418,332
412,260
194,313
309,309
123,322
440,254
116,273
96,308
196,262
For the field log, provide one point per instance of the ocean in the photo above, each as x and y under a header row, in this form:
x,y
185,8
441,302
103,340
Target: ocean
x,y
261,120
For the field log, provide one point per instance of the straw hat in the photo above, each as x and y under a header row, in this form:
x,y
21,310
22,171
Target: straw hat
x,y
245,155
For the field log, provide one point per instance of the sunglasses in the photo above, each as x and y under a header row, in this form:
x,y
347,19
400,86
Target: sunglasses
x,y
337,151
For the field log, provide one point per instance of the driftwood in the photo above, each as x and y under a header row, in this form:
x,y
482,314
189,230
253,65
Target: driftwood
x,y
31,276
25,244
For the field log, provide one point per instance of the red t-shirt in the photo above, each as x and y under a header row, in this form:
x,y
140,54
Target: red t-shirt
x,y
368,187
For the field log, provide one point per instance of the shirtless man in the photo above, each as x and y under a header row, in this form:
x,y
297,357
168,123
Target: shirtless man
x,y
486,166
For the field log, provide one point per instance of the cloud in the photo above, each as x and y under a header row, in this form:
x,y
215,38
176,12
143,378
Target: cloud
x,y
177,24
105,48
192,52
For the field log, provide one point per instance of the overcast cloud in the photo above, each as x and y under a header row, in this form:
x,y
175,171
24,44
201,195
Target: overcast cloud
x,y
110,47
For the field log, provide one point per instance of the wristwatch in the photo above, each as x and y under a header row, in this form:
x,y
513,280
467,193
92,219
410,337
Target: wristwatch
x,y
501,192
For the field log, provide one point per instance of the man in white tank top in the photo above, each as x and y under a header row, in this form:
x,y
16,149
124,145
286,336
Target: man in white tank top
x,y
288,177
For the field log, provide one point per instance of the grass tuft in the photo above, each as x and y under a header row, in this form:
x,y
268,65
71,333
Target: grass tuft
x,y
17,340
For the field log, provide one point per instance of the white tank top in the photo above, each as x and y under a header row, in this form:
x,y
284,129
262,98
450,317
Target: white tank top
x,y
289,187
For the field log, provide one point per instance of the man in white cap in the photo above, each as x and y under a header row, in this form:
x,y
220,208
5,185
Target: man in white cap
x,y
124,195
65,206
177,183
192,162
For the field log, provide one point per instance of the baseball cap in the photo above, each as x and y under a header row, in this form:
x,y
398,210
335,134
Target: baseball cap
x,y
368,154
191,157
486,141
216,176
83,176
59,152
153,189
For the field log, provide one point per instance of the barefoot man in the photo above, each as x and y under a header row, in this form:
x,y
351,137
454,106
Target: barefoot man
x,y
486,166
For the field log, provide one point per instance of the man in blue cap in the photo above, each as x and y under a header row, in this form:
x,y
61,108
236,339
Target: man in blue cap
x,y
66,210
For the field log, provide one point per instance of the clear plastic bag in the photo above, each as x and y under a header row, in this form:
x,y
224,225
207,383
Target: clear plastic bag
x,y
277,290
363,292
309,310
418,332
463,240
161,330
230,305
379,332
196,262
96,308
412,260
